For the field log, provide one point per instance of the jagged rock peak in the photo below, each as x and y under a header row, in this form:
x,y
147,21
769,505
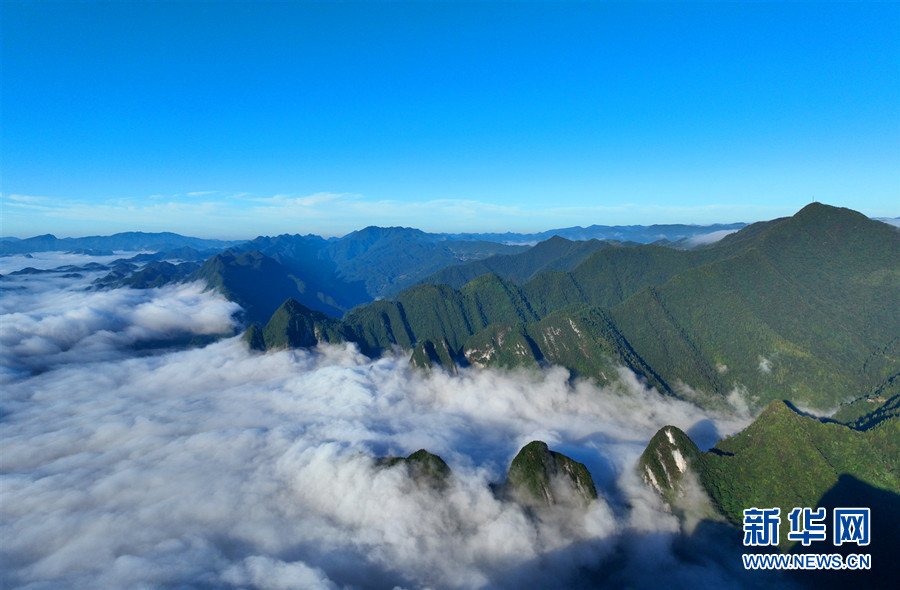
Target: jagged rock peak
x,y
665,462
430,354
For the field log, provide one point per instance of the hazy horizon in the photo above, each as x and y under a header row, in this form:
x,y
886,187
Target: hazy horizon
x,y
250,236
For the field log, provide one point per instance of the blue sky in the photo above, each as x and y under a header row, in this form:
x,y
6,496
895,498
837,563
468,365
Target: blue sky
x,y
240,119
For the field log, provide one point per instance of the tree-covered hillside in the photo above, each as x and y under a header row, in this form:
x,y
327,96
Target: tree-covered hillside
x,y
802,308
554,254
786,460
389,259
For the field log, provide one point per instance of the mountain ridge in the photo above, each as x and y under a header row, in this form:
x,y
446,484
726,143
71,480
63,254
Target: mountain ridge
x,y
743,315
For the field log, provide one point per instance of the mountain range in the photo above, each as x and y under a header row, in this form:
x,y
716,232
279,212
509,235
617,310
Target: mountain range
x,y
644,234
796,312
166,240
800,308
106,245
328,275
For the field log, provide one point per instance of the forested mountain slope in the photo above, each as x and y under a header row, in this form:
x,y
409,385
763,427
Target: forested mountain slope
x,y
555,253
802,308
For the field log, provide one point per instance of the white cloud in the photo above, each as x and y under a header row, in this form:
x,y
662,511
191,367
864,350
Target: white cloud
x,y
220,467
25,198
51,260
290,201
49,319
710,238
266,573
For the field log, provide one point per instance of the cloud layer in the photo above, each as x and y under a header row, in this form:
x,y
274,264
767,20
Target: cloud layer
x,y
51,319
218,467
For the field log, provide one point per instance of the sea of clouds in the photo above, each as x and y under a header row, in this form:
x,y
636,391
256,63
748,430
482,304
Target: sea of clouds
x,y
127,462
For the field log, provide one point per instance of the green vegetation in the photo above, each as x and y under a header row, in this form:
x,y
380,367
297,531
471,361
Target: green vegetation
x,y
295,326
802,308
502,345
668,460
389,259
555,253
541,477
429,354
254,338
585,340
151,275
867,412
425,468
438,312
792,312
783,459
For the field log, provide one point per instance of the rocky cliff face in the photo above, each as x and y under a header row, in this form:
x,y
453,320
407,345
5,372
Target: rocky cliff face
x,y
783,459
429,354
668,461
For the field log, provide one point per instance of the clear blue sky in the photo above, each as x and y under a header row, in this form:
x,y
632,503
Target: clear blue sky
x,y
246,118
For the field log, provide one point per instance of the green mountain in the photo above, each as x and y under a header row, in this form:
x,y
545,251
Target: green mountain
x,y
860,414
152,274
438,312
555,253
537,476
332,276
786,459
389,259
611,276
668,461
802,308
783,459
425,468
541,477
254,339
294,326
429,354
